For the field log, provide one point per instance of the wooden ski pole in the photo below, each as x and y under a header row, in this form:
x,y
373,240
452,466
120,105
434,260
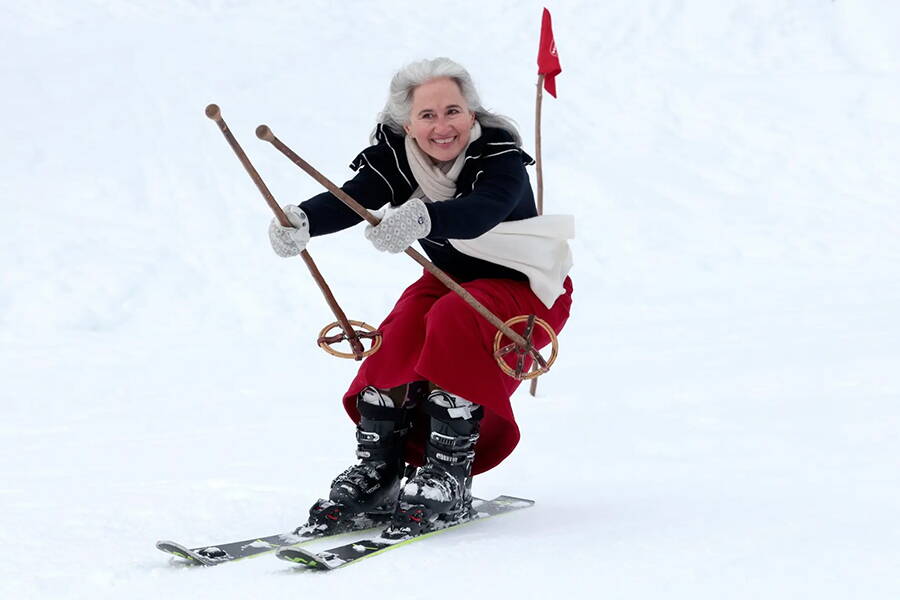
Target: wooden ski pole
x,y
264,133
213,112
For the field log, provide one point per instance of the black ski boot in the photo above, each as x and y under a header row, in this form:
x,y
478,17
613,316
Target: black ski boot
x,y
370,487
442,488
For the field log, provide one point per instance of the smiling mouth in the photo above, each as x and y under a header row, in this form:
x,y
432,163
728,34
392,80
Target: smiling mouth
x,y
444,141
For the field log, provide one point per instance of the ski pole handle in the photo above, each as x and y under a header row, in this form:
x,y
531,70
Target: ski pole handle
x,y
264,133
214,113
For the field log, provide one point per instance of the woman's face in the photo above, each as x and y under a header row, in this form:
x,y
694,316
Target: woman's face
x,y
440,120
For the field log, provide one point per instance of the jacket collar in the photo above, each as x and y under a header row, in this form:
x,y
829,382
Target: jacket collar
x,y
493,141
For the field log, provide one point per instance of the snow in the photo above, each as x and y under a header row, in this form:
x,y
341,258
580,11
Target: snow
x,y
722,420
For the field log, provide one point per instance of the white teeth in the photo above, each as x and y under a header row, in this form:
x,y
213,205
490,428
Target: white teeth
x,y
444,140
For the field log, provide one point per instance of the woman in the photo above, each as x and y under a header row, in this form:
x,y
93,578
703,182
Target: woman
x,y
453,177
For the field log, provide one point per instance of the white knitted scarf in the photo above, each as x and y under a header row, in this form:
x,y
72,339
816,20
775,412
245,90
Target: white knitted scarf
x,y
536,247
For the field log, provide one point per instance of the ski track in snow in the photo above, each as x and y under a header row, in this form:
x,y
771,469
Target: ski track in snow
x,y
722,421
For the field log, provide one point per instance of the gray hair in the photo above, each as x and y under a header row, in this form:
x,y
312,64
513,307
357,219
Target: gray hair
x,y
397,109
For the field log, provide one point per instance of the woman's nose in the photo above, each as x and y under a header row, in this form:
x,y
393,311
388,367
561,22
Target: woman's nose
x,y
442,124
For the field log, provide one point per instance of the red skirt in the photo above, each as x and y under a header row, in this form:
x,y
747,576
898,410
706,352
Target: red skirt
x,y
432,334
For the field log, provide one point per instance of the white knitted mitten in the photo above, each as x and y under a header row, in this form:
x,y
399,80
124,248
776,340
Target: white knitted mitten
x,y
290,241
400,227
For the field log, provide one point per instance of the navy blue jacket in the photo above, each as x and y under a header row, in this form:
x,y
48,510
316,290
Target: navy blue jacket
x,y
492,187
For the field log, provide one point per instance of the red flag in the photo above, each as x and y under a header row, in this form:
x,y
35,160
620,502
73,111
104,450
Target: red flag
x,y
548,60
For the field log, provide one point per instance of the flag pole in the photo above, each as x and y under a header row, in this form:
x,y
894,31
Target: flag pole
x,y
540,173
537,143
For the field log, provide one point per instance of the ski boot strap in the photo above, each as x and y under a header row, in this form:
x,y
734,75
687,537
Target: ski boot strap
x,y
453,442
453,414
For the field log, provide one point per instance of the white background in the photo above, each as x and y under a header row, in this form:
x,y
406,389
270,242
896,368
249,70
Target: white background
x,y
722,421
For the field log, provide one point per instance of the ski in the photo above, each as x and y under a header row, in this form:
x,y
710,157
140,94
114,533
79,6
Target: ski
x,y
340,556
220,553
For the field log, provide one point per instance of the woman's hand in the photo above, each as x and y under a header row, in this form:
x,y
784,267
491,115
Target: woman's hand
x,y
290,241
400,227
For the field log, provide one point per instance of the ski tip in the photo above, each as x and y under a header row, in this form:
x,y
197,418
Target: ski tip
x,y
167,545
514,500
510,501
179,551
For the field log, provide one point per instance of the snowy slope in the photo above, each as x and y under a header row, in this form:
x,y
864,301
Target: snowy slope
x,y
723,418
